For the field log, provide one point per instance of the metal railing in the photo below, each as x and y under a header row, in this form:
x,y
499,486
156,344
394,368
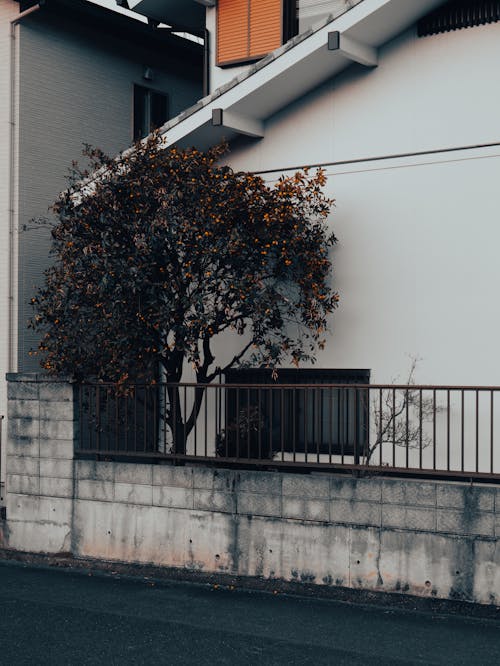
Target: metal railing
x,y
451,431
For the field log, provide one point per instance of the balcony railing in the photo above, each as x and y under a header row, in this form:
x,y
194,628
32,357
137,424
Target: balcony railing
x,y
450,431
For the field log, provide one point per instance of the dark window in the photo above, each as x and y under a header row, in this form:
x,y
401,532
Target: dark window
x,y
459,14
314,419
290,20
150,110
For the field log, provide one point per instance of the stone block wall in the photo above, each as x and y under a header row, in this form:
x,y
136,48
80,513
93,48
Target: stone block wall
x,y
429,538
39,463
426,538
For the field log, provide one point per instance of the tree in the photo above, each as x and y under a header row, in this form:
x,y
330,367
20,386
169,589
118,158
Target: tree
x,y
165,249
401,417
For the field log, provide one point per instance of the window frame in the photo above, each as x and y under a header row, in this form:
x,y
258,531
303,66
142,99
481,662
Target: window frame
x,y
151,91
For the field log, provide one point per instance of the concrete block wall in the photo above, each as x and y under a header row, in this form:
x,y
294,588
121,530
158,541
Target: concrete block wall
x,y
39,465
425,538
429,538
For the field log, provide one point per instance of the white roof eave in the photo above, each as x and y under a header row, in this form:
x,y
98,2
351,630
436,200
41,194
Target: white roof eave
x,y
176,12
292,70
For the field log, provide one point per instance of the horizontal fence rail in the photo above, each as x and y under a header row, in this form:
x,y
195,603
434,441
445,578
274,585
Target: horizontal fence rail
x,y
450,431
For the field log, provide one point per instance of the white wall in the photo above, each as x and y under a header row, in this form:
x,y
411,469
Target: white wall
x,y
218,75
416,264
312,11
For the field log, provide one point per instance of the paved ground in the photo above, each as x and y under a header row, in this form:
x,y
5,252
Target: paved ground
x,y
62,617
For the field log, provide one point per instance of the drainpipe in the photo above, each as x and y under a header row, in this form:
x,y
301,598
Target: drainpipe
x,y
12,361
206,63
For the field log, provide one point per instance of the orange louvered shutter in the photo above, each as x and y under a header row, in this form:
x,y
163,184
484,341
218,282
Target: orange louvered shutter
x,y
232,30
265,26
247,29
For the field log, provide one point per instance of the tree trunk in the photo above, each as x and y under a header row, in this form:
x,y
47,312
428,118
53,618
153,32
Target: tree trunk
x,y
180,424
179,431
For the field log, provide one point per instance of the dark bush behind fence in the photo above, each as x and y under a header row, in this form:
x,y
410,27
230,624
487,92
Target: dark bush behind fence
x,y
448,431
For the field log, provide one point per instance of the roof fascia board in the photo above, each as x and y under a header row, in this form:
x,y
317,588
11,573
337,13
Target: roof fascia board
x,y
273,82
266,75
194,125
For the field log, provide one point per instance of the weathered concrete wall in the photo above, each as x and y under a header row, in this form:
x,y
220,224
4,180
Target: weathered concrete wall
x,y
428,538
39,464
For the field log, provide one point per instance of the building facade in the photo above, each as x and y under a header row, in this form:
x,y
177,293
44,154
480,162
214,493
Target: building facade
x,y
70,73
394,99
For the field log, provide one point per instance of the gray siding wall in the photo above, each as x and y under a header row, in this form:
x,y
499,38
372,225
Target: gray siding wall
x,y
74,88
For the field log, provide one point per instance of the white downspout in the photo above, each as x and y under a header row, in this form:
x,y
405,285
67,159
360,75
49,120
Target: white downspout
x,y
13,184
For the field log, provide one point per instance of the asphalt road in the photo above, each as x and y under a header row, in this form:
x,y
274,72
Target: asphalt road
x,y
65,617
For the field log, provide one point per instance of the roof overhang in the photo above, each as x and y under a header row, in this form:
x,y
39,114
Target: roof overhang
x,y
102,23
243,105
187,14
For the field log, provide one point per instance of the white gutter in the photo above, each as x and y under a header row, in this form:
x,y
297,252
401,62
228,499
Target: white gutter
x,y
13,191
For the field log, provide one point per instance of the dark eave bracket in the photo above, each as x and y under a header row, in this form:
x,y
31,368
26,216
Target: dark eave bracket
x,y
352,49
238,123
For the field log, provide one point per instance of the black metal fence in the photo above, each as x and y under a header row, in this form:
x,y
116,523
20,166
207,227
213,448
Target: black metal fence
x,y
413,429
